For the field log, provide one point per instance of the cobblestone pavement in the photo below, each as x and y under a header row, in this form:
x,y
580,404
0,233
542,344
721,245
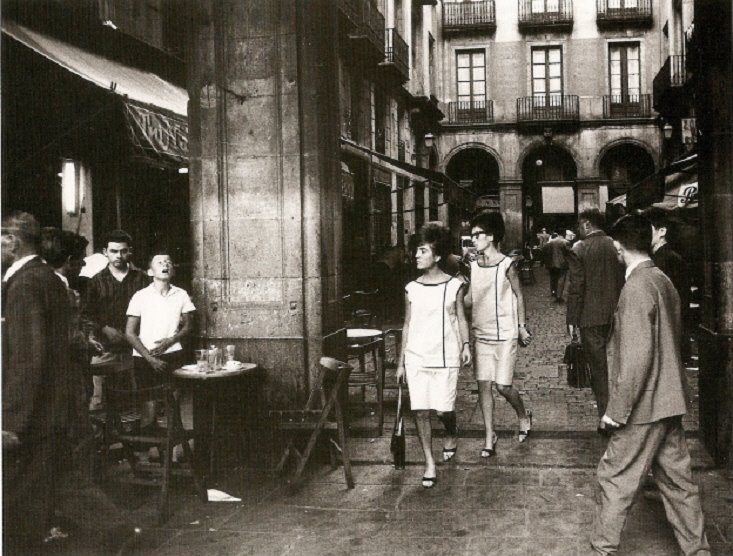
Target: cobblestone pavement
x,y
540,377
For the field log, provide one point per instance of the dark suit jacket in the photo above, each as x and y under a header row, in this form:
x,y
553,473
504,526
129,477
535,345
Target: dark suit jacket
x,y
36,379
673,265
647,381
555,252
596,277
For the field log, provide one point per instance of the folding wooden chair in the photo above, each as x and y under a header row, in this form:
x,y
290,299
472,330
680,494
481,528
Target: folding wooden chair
x,y
370,373
333,374
122,426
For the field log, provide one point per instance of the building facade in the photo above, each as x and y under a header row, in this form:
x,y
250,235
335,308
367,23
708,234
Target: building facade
x,y
549,104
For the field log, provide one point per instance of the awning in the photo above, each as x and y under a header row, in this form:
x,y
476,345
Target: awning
x,y
156,110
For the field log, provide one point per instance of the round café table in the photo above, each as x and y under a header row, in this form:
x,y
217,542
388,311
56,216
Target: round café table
x,y
208,390
362,335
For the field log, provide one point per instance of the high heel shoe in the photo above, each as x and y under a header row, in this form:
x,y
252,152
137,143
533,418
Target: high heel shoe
x,y
524,433
490,452
449,453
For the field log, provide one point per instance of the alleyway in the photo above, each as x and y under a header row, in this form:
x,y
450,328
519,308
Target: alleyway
x,y
535,498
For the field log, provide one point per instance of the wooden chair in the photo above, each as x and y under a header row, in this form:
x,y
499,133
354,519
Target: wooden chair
x,y
369,375
122,426
333,375
390,363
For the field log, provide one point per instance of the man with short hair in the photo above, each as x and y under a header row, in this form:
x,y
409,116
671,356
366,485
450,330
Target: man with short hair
x,y
555,255
105,302
37,386
596,278
648,397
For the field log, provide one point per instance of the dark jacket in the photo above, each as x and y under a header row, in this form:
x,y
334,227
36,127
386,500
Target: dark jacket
x,y
596,278
555,252
38,386
673,265
646,379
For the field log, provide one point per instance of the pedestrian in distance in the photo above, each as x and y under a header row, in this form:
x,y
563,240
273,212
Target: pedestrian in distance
x,y
596,278
497,324
555,255
434,343
648,397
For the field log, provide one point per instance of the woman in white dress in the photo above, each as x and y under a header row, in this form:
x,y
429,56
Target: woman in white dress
x,y
434,343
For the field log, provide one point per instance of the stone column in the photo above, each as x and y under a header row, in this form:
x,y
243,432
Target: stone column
x,y
511,206
264,180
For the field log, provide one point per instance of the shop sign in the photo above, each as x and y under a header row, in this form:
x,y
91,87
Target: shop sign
x,y
154,132
687,195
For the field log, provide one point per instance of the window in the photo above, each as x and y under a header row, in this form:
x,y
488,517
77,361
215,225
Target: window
x,y
547,87
624,78
471,83
545,6
622,4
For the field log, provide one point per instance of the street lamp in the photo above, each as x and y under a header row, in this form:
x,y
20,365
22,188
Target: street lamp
x,y
429,140
667,130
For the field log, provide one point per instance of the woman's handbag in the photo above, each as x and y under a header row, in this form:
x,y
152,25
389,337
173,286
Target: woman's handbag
x,y
578,369
397,445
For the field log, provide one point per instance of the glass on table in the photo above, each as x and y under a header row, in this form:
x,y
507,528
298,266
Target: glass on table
x,y
214,358
230,352
202,360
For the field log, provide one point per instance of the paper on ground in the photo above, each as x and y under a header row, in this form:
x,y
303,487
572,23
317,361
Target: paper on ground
x,y
219,496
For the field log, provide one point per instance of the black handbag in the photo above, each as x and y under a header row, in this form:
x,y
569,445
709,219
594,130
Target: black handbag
x,y
397,445
578,369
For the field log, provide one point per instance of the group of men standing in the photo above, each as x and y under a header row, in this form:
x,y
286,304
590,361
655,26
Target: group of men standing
x,y
625,299
48,336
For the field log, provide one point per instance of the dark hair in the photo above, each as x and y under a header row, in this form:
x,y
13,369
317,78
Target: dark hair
x,y
593,217
57,246
437,236
23,226
118,236
490,222
160,251
660,218
633,232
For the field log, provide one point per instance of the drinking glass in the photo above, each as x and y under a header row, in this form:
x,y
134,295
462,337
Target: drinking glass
x,y
214,359
202,360
230,351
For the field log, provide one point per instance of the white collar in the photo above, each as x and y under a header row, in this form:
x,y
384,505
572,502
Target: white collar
x,y
658,246
63,278
632,266
17,265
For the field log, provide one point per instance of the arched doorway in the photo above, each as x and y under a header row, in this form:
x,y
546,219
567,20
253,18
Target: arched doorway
x,y
624,165
476,168
550,198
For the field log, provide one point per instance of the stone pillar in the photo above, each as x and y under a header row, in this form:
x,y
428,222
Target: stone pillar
x,y
511,206
407,34
588,195
264,180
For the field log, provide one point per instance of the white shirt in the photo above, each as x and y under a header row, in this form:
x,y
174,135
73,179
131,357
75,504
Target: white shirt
x,y
63,278
632,266
17,265
160,314
495,311
433,338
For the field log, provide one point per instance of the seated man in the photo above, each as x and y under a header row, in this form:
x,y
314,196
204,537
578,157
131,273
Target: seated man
x,y
158,318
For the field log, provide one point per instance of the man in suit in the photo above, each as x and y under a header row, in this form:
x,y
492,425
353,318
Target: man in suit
x,y
596,278
672,264
555,257
37,386
648,397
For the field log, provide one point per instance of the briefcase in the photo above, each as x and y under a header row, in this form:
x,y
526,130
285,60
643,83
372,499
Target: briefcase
x,y
578,370
397,445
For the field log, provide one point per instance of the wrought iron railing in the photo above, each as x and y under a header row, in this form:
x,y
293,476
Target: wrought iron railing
x,y
545,14
548,108
469,15
627,106
396,51
471,112
623,10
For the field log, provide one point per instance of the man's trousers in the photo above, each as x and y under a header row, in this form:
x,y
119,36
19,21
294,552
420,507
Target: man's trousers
x,y
593,339
631,452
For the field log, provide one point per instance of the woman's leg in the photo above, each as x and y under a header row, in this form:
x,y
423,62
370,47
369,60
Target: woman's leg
x,y
486,399
425,433
512,396
448,418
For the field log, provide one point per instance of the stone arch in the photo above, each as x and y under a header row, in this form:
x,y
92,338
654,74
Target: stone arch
x,y
475,145
653,154
535,145
623,164
477,165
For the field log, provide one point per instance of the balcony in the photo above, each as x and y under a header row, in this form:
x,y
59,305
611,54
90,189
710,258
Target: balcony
x,y
617,107
471,112
545,15
368,36
670,97
397,56
548,109
623,13
469,16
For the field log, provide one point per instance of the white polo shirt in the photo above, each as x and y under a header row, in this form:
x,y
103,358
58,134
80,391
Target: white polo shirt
x,y
160,315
